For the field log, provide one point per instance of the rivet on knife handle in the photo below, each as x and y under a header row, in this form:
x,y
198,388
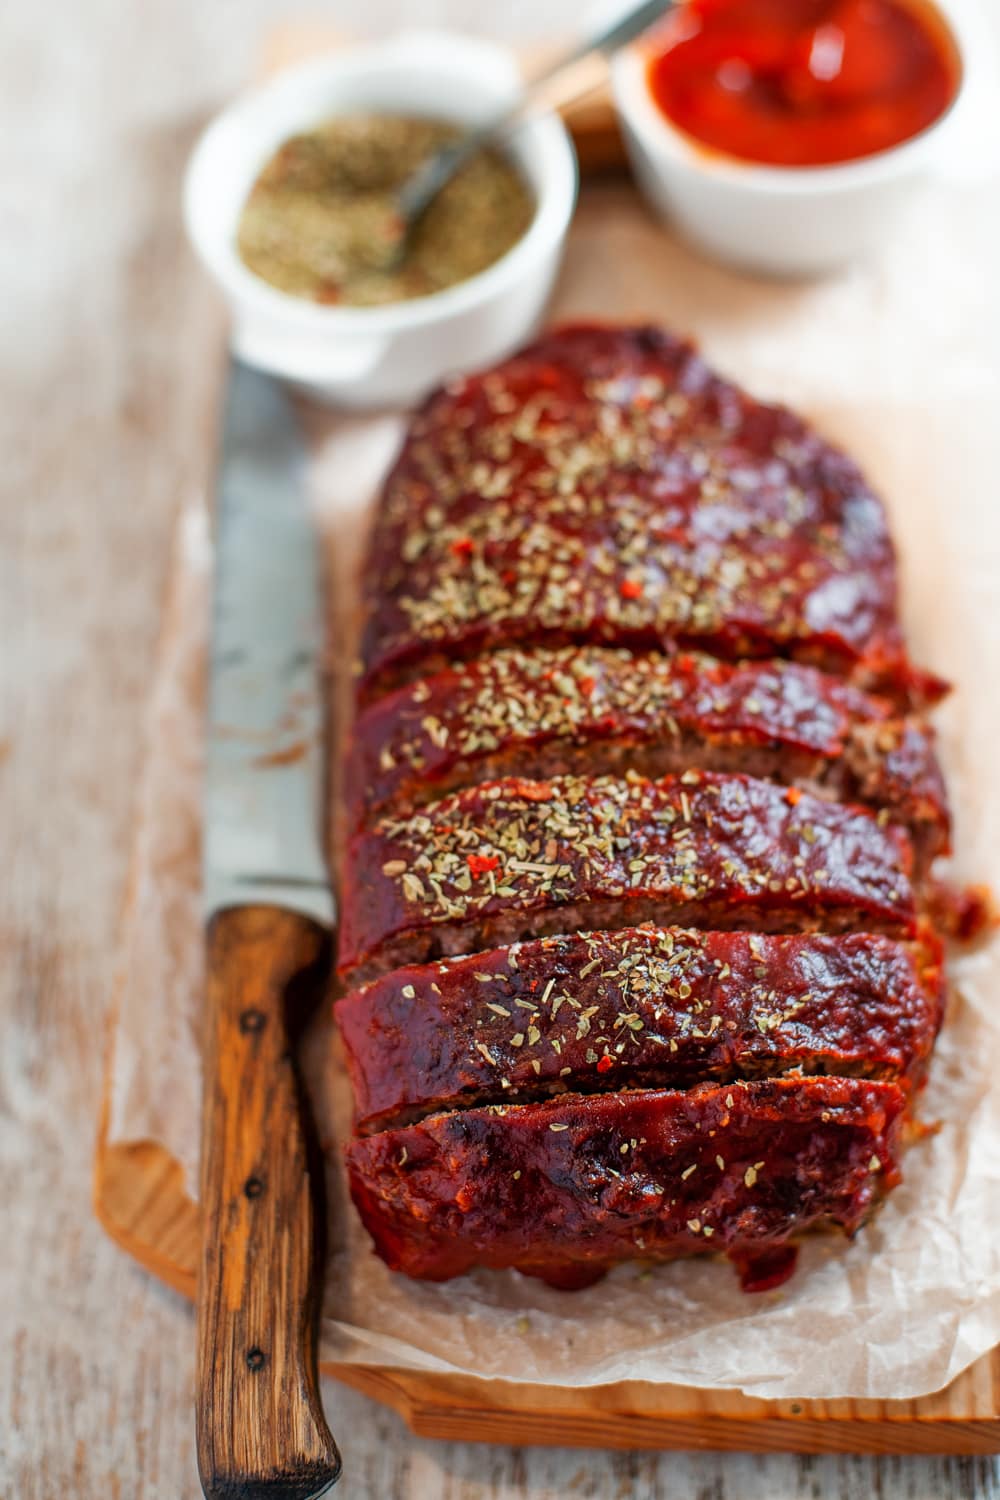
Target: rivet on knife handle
x,y
260,1424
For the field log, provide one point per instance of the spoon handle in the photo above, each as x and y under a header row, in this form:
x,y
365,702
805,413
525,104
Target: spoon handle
x,y
618,33
428,180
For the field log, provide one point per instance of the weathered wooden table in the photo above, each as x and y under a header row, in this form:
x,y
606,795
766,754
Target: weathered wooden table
x,y
102,428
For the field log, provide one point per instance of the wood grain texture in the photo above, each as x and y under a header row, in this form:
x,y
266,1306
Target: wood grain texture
x,y
139,1195
107,370
259,1419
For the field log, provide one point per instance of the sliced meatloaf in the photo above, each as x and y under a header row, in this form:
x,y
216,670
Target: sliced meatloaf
x,y
595,709
518,858
604,485
565,1188
647,1007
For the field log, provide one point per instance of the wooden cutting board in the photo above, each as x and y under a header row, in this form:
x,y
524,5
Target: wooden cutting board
x,y
140,1199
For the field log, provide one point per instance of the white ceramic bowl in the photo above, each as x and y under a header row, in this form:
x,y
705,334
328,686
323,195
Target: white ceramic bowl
x,y
389,355
777,221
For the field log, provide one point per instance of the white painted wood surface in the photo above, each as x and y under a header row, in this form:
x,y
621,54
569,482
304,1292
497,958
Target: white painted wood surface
x,y
103,425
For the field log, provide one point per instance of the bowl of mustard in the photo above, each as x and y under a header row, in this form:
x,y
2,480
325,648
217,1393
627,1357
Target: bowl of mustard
x,y
288,202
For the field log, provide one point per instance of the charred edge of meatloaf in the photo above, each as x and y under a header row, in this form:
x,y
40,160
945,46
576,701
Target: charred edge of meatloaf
x,y
601,711
566,1188
640,1008
515,858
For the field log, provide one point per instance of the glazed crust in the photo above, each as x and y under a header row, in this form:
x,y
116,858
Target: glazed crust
x,y
596,709
565,1188
639,739
520,858
604,485
646,1007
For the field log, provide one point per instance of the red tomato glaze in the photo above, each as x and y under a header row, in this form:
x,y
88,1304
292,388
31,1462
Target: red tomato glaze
x,y
802,83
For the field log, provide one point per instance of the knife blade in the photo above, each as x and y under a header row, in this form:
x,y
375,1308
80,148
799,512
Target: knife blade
x,y
265,771
269,908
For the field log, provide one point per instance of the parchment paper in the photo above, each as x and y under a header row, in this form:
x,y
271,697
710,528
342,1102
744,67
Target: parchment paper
x,y
898,360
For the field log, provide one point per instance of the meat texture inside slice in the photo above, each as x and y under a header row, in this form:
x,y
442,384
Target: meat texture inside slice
x,y
565,1188
518,858
604,485
643,1007
596,709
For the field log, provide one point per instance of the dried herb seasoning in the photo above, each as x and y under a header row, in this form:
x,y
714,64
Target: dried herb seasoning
x,y
321,213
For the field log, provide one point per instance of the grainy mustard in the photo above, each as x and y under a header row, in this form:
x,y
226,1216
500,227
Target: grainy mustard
x,y
320,215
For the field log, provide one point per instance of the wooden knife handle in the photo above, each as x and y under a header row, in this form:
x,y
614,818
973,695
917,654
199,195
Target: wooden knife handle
x,y
260,1424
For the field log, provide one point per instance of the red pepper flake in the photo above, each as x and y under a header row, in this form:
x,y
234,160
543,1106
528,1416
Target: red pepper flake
x,y
462,546
479,864
587,685
604,1063
630,588
793,795
532,791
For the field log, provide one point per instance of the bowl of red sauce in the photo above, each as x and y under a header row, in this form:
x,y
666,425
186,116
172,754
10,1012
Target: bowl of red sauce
x,y
788,135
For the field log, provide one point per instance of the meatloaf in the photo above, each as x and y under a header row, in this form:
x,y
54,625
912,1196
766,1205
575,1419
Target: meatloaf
x,y
564,1188
518,858
639,907
604,485
596,709
647,1007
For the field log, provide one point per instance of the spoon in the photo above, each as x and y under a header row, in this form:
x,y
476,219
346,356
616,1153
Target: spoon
x,y
418,192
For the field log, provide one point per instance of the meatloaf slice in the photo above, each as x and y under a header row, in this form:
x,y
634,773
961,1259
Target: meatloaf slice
x,y
644,1007
604,485
548,712
517,858
565,1188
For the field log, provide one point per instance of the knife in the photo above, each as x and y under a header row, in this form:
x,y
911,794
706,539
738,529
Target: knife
x,y
270,912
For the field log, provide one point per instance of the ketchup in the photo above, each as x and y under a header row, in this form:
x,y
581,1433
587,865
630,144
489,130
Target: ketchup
x,y
803,83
